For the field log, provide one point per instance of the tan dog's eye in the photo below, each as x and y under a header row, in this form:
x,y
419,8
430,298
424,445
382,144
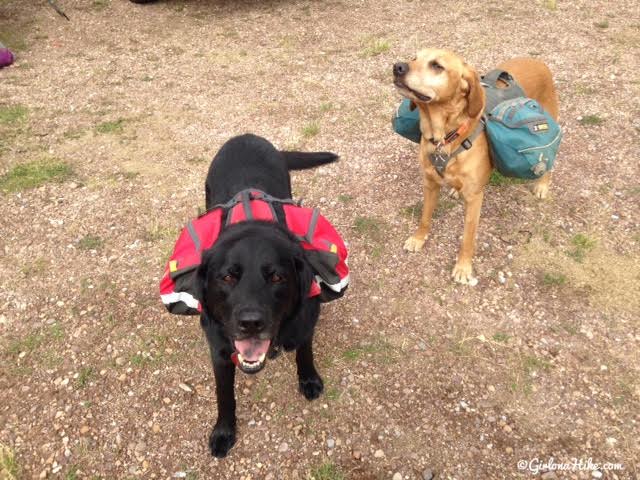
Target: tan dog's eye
x,y
436,66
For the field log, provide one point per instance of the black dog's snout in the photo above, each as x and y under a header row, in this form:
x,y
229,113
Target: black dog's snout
x,y
251,321
400,69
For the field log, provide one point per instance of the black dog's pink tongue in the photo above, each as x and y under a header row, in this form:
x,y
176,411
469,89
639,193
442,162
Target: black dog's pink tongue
x,y
252,349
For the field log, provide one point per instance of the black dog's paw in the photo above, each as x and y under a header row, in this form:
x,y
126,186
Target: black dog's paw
x,y
311,387
221,440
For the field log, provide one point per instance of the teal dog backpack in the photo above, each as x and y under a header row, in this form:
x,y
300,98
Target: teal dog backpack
x,y
523,137
406,122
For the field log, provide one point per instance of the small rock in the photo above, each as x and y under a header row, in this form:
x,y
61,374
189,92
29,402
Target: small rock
x,y
121,361
331,443
378,454
397,476
155,428
507,429
427,474
356,454
84,429
284,446
185,387
596,474
43,473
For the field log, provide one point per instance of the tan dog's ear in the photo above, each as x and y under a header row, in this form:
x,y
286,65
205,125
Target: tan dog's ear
x,y
412,106
475,92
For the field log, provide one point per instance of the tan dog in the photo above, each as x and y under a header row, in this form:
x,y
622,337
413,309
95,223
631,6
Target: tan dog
x,y
450,98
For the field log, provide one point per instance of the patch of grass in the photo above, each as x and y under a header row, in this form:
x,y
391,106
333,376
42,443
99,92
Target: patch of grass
x,y
13,36
554,279
90,242
444,204
197,160
9,469
140,360
56,331
33,174
368,226
100,4
333,393
114,127
582,244
85,375
26,344
37,267
327,471
72,473
412,212
12,114
378,348
325,107
311,130
531,363
157,232
498,179
585,90
501,337
376,47
345,198
601,24
591,120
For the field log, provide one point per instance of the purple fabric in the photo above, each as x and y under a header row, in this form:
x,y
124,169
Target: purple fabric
x,y
6,57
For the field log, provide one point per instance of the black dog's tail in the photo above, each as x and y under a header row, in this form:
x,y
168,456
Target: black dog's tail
x,y
303,160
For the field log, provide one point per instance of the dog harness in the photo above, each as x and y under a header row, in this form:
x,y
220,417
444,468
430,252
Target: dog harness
x,y
324,248
494,95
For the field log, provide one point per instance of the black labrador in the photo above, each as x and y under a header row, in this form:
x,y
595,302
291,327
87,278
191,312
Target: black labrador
x,y
253,282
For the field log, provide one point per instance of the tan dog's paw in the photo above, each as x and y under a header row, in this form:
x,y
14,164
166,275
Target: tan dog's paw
x,y
541,190
463,273
414,244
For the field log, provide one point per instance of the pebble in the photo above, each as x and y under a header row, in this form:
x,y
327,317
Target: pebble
x,y
397,476
507,429
84,429
121,361
331,443
185,387
596,474
356,454
427,474
284,446
155,428
378,454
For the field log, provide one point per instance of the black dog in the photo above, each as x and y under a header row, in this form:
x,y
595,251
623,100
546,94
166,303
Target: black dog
x,y
253,283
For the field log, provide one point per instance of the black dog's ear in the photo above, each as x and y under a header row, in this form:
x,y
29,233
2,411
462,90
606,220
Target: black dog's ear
x,y
201,276
304,275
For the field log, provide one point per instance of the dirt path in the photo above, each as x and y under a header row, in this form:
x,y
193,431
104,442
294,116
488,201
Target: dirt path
x,y
121,109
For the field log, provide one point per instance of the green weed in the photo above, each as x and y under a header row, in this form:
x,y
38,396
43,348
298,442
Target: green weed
x,y
34,174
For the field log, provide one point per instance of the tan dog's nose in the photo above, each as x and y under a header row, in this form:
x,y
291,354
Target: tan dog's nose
x,y
400,69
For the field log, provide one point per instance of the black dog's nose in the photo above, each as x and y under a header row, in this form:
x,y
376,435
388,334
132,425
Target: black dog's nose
x,y
250,321
400,69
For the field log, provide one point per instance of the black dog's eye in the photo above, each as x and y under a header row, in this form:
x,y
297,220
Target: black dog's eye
x,y
436,66
275,278
230,279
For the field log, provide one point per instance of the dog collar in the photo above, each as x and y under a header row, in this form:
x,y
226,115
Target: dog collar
x,y
452,135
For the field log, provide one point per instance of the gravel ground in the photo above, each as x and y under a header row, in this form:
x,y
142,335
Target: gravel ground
x,y
423,377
